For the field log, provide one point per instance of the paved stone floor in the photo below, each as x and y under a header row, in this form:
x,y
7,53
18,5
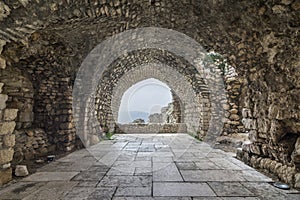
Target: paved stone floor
x,y
147,167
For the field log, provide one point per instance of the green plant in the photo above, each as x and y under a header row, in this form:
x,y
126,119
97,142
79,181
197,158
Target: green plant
x,y
109,135
197,137
219,61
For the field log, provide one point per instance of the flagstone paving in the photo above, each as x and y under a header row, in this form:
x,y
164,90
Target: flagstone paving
x,y
147,167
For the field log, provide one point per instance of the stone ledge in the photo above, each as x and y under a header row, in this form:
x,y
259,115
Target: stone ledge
x,y
151,128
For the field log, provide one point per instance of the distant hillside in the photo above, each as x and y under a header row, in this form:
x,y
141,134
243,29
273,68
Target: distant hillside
x,y
128,117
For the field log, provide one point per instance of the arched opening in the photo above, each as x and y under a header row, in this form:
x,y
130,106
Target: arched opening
x,y
150,106
143,100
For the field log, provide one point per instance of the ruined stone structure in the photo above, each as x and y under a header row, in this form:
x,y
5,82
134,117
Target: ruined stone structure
x,y
151,128
168,114
44,43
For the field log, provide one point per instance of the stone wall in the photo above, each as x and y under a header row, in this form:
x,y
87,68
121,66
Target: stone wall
x,y
155,118
260,39
170,113
7,138
20,92
151,128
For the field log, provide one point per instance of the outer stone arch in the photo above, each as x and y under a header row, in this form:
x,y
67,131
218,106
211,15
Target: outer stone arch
x,y
105,53
192,102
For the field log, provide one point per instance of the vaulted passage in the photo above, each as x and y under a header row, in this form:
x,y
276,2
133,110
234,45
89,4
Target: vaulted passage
x,y
233,69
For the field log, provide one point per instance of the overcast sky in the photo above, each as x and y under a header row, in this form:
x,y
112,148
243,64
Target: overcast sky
x,y
147,96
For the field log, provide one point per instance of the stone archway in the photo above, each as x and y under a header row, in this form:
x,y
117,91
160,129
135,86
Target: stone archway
x,y
49,39
105,64
191,101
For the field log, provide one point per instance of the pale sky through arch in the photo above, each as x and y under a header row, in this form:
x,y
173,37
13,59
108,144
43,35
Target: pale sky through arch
x,y
144,98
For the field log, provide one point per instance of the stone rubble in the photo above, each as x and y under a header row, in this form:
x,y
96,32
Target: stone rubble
x,y
21,171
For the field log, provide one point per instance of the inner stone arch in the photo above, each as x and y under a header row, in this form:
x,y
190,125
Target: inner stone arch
x,y
139,65
191,104
104,66
143,99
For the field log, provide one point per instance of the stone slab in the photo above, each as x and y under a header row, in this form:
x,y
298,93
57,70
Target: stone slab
x,y
79,193
134,181
20,190
266,191
182,189
50,176
166,172
89,176
254,176
103,193
133,191
211,175
230,189
51,190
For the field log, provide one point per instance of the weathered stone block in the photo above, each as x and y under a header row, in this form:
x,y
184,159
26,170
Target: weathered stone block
x,y
233,111
26,116
254,148
5,176
94,140
253,136
296,5
278,9
234,117
6,156
10,114
6,166
9,140
3,99
7,127
21,171
2,44
226,106
296,152
249,123
263,125
66,126
276,131
1,86
246,146
2,63
246,113
297,180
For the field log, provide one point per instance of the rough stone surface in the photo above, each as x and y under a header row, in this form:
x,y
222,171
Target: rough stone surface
x,y
6,156
9,140
31,143
7,127
67,179
21,170
3,99
1,86
10,114
296,153
5,176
